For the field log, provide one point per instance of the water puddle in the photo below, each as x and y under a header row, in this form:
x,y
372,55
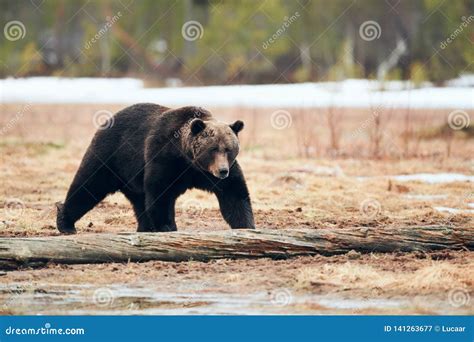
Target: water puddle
x,y
86,299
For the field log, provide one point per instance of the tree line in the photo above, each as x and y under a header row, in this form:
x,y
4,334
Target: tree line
x,y
232,42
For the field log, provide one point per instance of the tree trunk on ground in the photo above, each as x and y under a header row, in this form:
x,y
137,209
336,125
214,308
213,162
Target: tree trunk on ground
x,y
234,244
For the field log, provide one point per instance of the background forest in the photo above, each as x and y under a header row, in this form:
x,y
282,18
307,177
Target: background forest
x,y
235,42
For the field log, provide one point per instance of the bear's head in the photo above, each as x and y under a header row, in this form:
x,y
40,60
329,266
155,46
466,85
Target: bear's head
x,y
214,145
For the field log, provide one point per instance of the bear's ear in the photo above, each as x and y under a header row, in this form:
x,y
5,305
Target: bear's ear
x,y
197,125
237,126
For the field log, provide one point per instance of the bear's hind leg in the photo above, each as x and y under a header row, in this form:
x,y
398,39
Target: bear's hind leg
x,y
64,224
138,204
85,192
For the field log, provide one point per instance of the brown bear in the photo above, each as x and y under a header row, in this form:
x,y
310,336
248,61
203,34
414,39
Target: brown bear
x,y
153,154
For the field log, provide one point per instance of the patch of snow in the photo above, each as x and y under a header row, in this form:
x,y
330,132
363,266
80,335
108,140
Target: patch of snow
x,y
466,80
349,93
335,171
453,210
362,178
434,178
425,197
431,178
67,90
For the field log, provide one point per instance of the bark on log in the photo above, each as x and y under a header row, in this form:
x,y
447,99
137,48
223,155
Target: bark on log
x,y
234,244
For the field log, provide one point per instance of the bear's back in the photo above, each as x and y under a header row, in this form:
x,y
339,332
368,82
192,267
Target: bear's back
x,y
122,143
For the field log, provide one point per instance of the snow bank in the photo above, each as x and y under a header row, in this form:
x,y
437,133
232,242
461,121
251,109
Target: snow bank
x,y
349,93
462,81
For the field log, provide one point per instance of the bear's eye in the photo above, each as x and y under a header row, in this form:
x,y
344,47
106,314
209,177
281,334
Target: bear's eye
x,y
227,150
215,149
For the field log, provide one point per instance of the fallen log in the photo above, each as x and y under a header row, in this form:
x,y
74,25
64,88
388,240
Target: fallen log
x,y
181,246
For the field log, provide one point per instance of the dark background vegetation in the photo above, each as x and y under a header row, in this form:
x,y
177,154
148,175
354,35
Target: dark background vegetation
x,y
322,44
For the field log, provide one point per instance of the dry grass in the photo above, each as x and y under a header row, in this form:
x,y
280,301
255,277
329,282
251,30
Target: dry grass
x,y
422,283
437,277
301,176
39,158
306,133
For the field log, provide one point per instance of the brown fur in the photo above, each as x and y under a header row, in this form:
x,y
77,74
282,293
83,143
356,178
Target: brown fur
x,y
214,148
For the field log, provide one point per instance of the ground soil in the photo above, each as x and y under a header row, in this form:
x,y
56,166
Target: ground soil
x,y
40,152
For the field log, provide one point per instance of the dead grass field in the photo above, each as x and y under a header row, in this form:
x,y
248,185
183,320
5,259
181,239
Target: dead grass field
x,y
301,175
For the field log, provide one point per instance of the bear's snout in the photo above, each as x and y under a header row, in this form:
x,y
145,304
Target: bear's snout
x,y
223,173
219,168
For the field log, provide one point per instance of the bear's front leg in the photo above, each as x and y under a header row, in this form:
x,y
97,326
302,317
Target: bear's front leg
x,y
159,200
234,199
160,211
237,211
